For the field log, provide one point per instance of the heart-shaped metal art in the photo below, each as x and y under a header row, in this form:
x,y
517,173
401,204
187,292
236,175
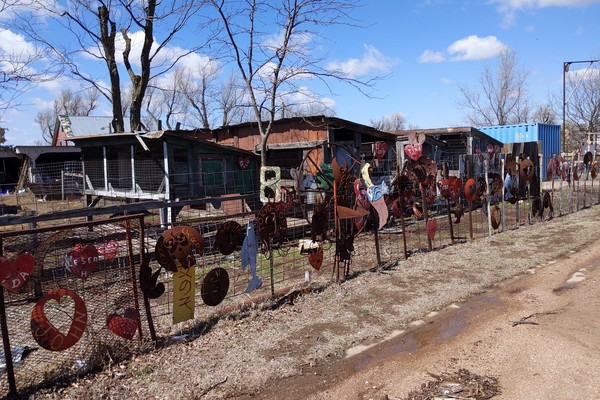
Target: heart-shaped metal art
x,y
315,258
15,274
46,334
123,326
82,260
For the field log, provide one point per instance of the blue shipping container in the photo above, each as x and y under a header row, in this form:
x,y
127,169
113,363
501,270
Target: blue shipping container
x,y
549,135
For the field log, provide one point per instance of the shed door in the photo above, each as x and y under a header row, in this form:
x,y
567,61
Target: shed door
x,y
213,181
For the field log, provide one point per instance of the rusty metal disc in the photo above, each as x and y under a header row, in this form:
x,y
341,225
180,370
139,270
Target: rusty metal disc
x,y
496,217
594,170
215,286
229,236
526,170
471,190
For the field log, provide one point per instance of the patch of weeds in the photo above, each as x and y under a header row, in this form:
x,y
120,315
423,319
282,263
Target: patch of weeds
x,y
144,373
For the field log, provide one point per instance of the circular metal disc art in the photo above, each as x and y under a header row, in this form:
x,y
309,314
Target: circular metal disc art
x,y
230,236
215,286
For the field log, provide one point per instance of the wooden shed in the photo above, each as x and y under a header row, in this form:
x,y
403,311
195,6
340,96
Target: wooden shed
x,y
292,138
163,165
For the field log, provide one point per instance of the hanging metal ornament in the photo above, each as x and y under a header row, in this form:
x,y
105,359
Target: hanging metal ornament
x,y
176,246
229,237
215,286
271,223
45,332
496,217
149,280
526,170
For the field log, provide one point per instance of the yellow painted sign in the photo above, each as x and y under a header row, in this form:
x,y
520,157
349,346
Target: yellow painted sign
x,y
184,290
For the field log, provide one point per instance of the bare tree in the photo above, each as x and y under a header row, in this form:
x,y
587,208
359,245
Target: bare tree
x,y
545,114
582,106
269,42
501,95
67,103
99,28
165,101
389,123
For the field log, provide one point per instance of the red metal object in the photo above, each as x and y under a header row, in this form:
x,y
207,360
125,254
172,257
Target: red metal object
x,y
46,334
15,274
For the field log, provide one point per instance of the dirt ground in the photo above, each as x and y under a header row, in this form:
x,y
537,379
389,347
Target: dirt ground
x,y
517,313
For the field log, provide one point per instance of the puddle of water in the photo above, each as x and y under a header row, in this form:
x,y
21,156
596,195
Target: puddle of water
x,y
445,326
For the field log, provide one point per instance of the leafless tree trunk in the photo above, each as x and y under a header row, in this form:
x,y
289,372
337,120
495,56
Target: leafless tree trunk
x,y
501,96
271,68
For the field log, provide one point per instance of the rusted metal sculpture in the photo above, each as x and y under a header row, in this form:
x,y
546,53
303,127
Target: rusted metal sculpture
x,y
175,247
149,280
271,223
229,237
215,286
319,223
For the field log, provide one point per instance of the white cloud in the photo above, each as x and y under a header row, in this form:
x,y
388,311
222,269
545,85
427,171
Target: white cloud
x,y
447,81
475,48
15,44
509,8
429,56
373,60
467,49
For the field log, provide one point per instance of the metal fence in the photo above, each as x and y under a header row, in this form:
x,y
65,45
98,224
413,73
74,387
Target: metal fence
x,y
111,289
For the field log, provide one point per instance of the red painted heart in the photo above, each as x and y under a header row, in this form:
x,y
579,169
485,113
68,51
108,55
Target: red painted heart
x,y
16,274
109,250
243,162
414,151
431,228
46,334
124,326
315,258
81,261
380,148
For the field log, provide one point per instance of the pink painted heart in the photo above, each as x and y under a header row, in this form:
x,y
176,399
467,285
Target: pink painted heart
x,y
414,151
123,326
81,261
15,274
109,250
380,148
243,162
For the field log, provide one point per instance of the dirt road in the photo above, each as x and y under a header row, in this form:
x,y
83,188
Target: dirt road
x,y
538,334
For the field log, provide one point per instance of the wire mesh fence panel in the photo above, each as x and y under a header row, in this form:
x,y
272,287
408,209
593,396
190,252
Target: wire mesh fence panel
x,y
71,301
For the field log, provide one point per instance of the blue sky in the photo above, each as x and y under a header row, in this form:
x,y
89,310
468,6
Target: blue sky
x,y
426,49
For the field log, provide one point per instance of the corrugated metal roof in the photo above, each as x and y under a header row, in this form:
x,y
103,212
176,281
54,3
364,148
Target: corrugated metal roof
x,y
80,125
